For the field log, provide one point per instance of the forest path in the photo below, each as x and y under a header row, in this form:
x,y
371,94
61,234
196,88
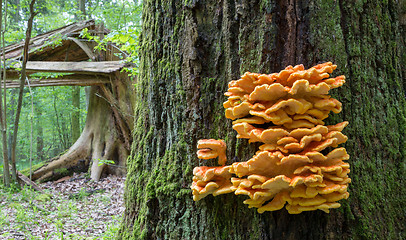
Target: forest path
x,y
80,209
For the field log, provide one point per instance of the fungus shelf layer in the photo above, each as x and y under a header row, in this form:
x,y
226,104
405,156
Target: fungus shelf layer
x,y
299,165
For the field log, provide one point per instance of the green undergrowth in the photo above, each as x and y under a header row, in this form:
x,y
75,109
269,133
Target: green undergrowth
x,y
33,215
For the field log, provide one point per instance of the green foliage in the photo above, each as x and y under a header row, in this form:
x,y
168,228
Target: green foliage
x,y
116,15
125,40
52,114
43,197
29,209
49,17
119,14
51,123
82,194
105,161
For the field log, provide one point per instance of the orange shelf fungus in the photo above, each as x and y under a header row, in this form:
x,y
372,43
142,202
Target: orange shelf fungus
x,y
299,164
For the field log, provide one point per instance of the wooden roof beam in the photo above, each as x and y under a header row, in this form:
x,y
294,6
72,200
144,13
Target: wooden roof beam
x,y
91,68
84,47
68,80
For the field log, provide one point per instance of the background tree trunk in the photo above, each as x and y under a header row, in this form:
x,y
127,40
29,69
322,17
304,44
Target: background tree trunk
x,y
23,76
106,134
39,131
190,50
3,111
75,117
82,8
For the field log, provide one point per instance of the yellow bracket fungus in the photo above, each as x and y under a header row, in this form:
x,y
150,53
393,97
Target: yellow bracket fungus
x,y
299,165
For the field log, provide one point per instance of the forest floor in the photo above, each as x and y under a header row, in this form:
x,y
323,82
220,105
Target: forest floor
x,y
76,208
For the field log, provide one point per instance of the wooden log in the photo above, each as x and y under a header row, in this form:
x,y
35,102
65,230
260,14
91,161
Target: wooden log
x,y
27,181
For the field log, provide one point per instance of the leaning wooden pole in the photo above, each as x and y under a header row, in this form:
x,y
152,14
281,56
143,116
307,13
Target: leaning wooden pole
x,y
20,94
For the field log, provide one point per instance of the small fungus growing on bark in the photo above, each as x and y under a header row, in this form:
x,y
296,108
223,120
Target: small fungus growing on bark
x,y
210,148
299,164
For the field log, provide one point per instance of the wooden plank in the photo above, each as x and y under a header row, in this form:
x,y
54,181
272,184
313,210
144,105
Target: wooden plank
x,y
57,83
68,80
84,47
67,77
105,67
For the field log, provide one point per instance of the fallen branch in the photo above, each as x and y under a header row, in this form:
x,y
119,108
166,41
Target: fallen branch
x,y
27,181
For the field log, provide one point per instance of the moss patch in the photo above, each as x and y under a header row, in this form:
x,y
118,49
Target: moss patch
x,y
35,167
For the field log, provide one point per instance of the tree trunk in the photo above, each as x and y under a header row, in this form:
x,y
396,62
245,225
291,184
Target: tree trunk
x,y
106,135
190,50
75,120
21,90
3,111
39,132
60,125
75,89
82,9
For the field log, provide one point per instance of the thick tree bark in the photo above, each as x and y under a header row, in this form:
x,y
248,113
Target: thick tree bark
x,y
189,52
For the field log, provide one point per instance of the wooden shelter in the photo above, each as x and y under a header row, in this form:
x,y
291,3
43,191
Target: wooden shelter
x,y
109,121
64,51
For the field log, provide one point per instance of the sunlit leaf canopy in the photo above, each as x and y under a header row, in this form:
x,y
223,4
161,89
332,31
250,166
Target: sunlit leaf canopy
x,y
117,15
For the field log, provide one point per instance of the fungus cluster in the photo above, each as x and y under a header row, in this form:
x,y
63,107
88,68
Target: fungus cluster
x,y
298,164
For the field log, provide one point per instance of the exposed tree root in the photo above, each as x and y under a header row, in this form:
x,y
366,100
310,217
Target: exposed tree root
x,y
106,136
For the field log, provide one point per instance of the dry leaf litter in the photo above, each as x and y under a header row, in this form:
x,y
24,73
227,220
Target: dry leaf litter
x,y
79,209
